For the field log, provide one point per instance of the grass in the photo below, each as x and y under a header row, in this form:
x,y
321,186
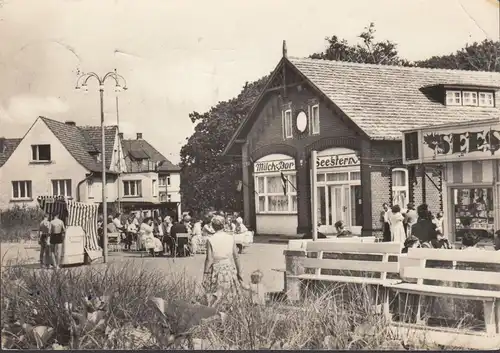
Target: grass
x,y
17,223
339,318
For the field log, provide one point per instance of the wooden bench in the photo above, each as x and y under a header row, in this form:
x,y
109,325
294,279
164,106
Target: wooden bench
x,y
298,244
417,274
355,268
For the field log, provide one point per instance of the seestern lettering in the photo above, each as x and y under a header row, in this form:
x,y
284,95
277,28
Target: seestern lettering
x,y
463,142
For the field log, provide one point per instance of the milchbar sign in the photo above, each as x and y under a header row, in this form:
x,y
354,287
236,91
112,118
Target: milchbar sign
x,y
465,142
274,166
339,160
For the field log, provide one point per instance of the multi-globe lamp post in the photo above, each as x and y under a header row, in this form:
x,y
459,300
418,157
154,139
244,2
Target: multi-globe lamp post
x,y
120,85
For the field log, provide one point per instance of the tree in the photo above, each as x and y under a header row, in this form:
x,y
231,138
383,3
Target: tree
x,y
484,56
368,52
206,180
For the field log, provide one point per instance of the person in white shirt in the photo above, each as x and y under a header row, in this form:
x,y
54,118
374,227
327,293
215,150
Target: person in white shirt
x,y
240,227
118,223
131,233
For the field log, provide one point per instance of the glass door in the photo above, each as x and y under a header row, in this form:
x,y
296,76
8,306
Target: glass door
x,y
337,200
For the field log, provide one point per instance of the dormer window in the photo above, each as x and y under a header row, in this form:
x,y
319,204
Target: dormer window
x,y
486,99
470,98
453,98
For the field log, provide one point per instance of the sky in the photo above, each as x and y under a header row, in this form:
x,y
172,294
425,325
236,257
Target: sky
x,y
183,56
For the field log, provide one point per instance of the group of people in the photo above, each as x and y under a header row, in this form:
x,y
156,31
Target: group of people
x,y
416,228
51,235
159,235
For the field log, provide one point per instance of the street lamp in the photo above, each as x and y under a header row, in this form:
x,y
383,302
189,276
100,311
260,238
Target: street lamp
x,y
120,84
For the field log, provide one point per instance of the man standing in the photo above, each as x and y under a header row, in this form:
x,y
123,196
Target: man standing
x,y
57,230
411,218
384,220
43,236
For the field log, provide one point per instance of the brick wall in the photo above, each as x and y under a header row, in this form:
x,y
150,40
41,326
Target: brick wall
x,y
433,196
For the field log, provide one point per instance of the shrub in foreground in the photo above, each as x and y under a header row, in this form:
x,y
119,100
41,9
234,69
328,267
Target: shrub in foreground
x,y
17,223
121,317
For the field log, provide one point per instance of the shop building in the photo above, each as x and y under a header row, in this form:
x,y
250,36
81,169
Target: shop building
x,y
469,156
352,115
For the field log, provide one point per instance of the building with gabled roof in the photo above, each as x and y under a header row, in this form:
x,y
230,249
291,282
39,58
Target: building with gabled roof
x,y
62,158
352,115
141,157
59,158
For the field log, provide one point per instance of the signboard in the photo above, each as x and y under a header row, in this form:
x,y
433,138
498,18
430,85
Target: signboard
x,y
274,166
337,161
466,143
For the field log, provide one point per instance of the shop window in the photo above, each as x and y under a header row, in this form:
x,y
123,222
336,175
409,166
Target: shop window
x,y
271,194
400,187
473,213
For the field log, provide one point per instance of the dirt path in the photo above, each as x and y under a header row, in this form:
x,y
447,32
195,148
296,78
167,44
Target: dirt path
x,y
260,256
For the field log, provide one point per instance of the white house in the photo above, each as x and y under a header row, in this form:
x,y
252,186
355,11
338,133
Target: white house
x,y
151,179
57,158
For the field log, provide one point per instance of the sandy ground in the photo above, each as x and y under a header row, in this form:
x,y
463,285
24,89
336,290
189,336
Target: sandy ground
x,y
259,256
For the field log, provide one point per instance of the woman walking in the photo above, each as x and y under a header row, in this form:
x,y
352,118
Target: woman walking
x,y
222,274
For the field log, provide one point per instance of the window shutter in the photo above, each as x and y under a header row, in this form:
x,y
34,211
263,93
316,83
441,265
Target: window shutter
x,y
139,188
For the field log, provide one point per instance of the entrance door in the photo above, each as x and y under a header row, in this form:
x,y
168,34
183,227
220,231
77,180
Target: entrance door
x,y
338,207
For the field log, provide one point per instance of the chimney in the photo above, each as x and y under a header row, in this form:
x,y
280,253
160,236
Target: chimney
x,y
2,144
120,135
70,123
139,135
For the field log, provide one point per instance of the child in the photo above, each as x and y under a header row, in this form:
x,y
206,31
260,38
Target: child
x,y
410,242
257,290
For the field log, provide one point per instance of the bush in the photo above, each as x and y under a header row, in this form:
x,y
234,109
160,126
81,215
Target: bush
x,y
37,298
17,223
340,318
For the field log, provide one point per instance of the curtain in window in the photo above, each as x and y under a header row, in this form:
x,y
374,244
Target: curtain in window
x,y
399,178
278,203
260,185
274,185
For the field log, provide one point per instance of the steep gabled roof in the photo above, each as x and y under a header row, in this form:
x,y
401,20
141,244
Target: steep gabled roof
x,y
79,144
382,100
7,147
94,136
141,149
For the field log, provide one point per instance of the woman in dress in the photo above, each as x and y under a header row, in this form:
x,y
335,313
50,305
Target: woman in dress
x,y
197,241
222,275
148,240
397,227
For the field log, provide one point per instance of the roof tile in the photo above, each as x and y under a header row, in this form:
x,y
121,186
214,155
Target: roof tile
x,y
7,147
383,100
82,141
143,148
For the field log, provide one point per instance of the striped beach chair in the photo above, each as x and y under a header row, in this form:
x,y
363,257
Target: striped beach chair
x,y
74,213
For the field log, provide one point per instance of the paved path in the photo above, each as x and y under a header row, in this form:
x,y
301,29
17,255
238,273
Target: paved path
x,y
259,256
